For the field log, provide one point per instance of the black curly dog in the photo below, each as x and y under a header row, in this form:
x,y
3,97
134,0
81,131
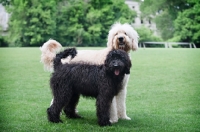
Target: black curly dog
x,y
102,82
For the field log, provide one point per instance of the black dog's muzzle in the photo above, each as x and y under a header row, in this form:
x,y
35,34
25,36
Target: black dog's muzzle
x,y
116,69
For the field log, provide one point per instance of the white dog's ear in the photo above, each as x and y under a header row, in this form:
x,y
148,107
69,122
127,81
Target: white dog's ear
x,y
133,35
134,45
134,40
110,40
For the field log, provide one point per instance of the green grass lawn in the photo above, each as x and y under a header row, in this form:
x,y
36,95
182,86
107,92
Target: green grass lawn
x,y
163,93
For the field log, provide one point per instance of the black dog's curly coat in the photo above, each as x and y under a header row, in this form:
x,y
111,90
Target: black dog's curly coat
x,y
102,82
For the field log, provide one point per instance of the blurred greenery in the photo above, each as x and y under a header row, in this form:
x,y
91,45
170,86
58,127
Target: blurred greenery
x,y
147,35
71,22
175,20
87,22
187,24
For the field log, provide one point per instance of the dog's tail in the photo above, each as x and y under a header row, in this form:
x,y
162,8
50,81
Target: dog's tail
x,y
67,52
49,50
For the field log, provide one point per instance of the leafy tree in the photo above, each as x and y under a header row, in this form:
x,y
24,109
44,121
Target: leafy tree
x,y
31,22
3,42
165,25
147,35
122,12
164,13
87,23
187,24
152,7
99,19
5,2
71,22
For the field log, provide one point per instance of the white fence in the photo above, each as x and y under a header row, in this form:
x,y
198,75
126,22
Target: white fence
x,y
167,44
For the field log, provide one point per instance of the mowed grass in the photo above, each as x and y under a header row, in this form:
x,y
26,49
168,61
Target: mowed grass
x,y
163,93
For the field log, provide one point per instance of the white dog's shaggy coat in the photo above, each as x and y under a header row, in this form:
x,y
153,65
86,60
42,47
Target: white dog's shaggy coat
x,y
121,36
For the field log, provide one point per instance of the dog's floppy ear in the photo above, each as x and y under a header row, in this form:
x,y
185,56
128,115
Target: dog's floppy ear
x,y
133,35
127,69
106,62
134,45
110,40
111,35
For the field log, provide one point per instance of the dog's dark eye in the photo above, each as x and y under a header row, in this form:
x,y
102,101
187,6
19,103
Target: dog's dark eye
x,y
116,34
125,33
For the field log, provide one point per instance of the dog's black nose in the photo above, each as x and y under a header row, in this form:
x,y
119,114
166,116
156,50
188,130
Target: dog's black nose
x,y
115,64
120,39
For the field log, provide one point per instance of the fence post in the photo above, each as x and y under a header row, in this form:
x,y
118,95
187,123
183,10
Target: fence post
x,y
194,45
166,45
170,45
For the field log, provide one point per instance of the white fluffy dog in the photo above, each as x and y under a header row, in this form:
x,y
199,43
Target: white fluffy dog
x,y
121,36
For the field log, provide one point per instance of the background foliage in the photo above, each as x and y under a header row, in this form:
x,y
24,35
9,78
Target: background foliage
x,y
71,22
175,20
87,22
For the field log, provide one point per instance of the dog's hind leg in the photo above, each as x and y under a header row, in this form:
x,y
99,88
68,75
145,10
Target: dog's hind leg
x,y
60,99
52,103
121,100
70,108
53,112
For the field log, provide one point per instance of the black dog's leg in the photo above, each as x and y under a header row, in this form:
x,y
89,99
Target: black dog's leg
x,y
53,112
103,106
70,108
60,99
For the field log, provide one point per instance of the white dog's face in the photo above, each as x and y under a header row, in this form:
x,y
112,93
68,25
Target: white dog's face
x,y
121,41
123,36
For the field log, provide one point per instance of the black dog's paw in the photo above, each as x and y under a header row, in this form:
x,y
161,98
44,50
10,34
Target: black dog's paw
x,y
53,117
56,121
105,123
53,120
73,116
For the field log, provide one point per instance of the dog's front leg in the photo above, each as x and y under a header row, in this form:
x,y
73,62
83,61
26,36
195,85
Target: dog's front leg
x,y
121,100
103,105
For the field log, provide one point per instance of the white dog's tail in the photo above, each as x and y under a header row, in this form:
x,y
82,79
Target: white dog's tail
x,y
49,50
